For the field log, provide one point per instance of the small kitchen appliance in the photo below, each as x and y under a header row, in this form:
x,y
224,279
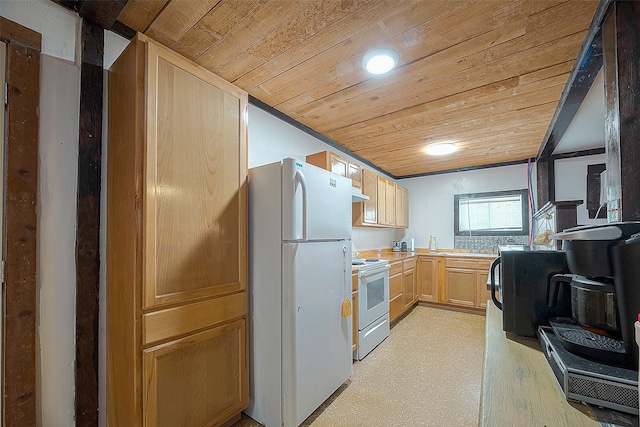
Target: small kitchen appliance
x,y
396,245
373,304
519,280
605,300
593,359
403,247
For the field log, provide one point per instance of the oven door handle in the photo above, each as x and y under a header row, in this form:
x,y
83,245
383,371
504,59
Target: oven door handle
x,y
371,271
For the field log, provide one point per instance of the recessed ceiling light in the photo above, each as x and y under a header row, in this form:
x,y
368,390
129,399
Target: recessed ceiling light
x,y
441,149
380,61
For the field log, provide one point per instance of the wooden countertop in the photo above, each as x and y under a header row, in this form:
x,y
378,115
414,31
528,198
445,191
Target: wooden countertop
x,y
391,256
518,386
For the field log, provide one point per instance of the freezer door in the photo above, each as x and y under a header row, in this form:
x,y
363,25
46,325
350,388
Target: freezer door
x,y
316,354
316,204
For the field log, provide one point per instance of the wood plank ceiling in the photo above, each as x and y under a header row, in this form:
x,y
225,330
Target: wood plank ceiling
x,y
485,74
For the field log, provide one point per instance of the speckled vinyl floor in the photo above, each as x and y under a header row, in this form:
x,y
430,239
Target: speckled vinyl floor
x,y
426,373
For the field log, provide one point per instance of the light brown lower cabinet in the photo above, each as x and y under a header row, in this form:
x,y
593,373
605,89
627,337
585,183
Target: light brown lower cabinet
x,y
427,277
180,373
403,292
459,281
395,290
409,291
483,293
465,282
460,287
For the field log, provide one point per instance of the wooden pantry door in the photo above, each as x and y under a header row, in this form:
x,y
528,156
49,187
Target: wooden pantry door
x,y
195,200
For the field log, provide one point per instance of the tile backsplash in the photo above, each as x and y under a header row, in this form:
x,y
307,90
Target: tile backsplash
x,y
487,244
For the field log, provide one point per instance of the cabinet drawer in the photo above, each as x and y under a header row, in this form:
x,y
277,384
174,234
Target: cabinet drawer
x,y
161,325
395,286
395,307
396,268
461,263
483,265
408,264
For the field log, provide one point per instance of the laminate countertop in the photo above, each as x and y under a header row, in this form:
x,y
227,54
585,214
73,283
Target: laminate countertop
x,y
519,388
388,254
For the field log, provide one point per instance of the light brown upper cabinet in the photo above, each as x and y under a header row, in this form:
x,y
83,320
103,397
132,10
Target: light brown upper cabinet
x,y
402,207
331,161
386,202
366,213
176,242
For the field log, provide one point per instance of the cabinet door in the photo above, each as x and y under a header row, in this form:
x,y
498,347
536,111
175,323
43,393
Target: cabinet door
x,y
460,286
427,277
408,288
382,201
197,380
395,296
390,205
370,188
355,173
402,207
338,164
195,207
483,293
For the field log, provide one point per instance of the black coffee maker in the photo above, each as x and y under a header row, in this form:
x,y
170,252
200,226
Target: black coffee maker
x,y
604,262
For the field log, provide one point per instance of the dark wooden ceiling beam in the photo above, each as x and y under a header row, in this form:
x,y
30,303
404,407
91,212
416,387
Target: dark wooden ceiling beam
x,y
585,69
103,13
584,72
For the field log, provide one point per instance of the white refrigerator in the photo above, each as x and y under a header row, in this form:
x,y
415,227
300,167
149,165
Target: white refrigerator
x,y
300,277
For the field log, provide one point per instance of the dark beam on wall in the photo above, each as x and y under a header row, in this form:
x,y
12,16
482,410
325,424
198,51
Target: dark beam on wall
x,y
621,40
88,225
21,174
545,180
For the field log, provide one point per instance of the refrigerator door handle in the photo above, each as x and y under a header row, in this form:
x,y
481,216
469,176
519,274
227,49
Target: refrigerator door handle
x,y
300,179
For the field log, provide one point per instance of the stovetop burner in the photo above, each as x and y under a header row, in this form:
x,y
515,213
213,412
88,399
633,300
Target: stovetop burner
x,y
586,343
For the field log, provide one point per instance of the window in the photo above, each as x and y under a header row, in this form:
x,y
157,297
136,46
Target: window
x,y
491,214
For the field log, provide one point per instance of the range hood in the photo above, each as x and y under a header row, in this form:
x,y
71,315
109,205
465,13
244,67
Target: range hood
x,y
357,196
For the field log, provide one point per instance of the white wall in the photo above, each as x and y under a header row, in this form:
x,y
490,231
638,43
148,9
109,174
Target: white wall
x,y
271,140
571,183
431,199
58,172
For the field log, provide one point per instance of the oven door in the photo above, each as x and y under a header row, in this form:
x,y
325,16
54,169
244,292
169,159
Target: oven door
x,y
373,294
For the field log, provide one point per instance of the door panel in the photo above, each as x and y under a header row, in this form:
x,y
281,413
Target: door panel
x,y
370,188
461,286
328,203
317,340
191,380
193,197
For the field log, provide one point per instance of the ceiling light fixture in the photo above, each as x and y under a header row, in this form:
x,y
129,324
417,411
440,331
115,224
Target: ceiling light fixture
x,y
380,61
441,149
